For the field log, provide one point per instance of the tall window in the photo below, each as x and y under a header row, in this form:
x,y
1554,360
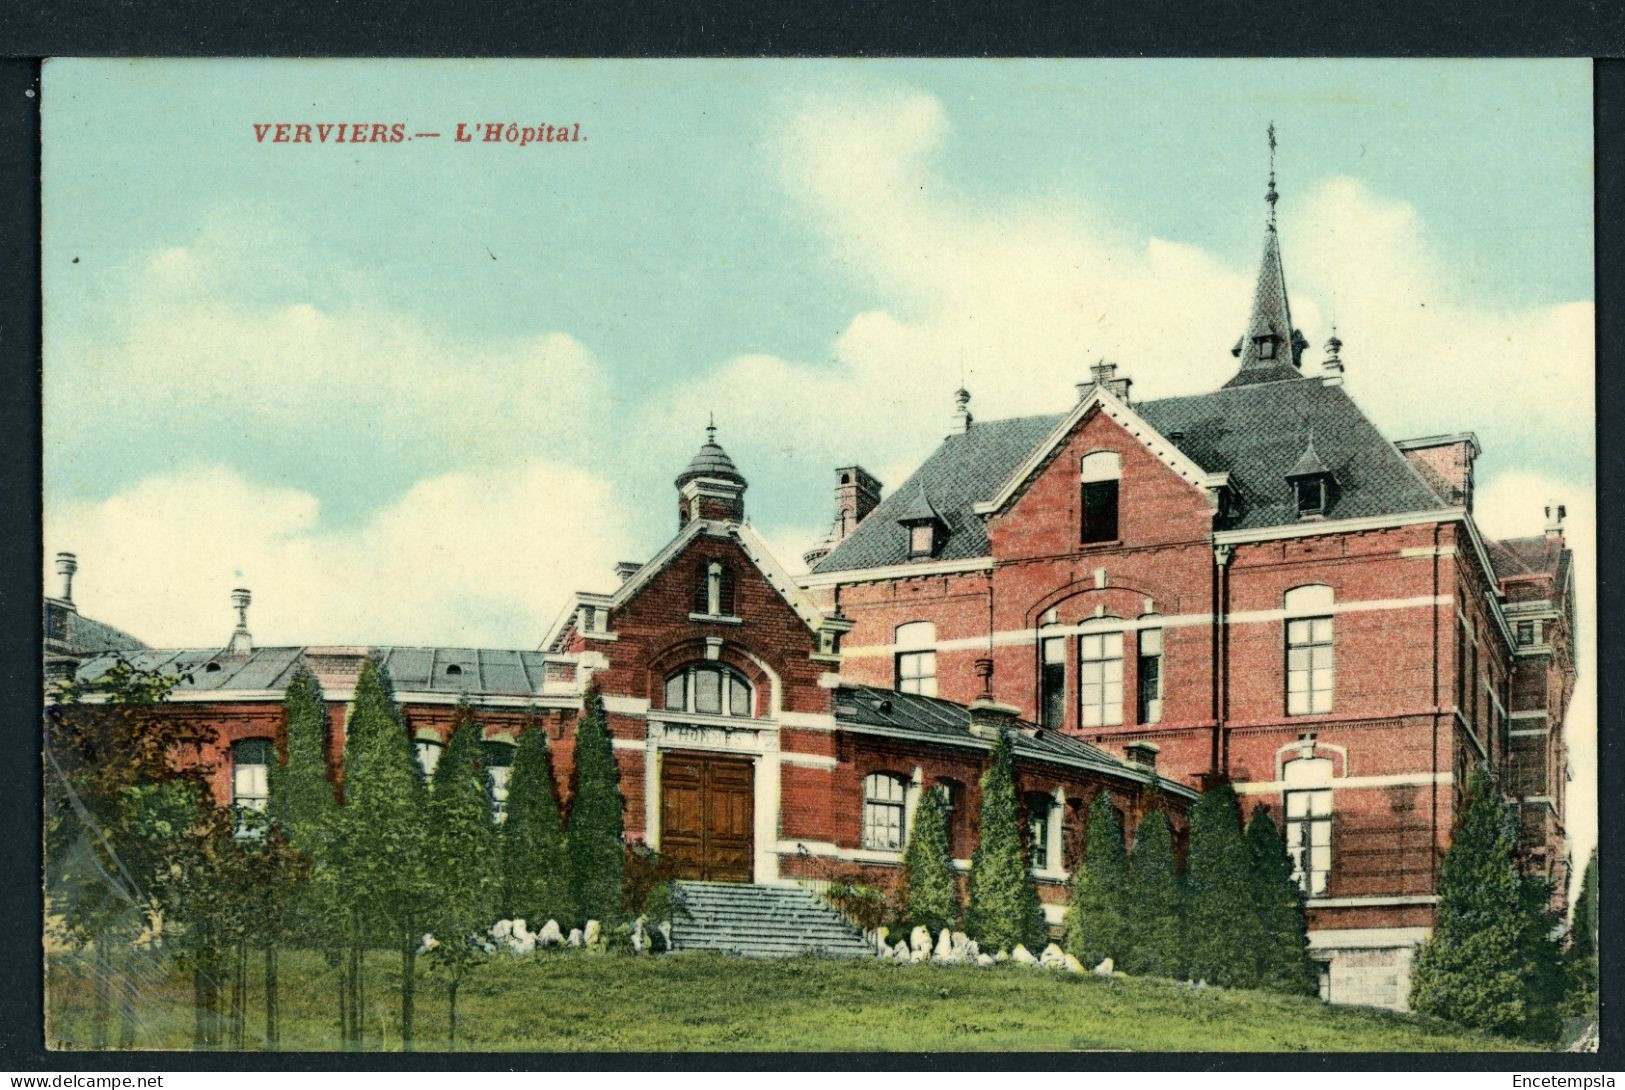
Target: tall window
x,y
1100,679
884,799
709,688
714,590
1052,681
1040,814
250,786
1100,472
1310,670
916,658
497,757
953,798
1309,822
428,753
1149,675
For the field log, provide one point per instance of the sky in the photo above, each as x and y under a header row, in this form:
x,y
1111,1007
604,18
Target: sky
x,y
419,392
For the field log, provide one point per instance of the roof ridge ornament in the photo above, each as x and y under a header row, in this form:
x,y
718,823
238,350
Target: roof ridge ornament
x,y
1272,196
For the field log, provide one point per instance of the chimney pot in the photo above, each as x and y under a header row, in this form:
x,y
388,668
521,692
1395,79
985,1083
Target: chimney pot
x,y
241,643
988,720
1142,753
66,565
1555,514
626,569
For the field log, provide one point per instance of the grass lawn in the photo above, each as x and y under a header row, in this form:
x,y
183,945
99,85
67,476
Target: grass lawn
x,y
579,1002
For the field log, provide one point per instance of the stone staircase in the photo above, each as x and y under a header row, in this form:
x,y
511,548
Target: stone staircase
x,y
764,922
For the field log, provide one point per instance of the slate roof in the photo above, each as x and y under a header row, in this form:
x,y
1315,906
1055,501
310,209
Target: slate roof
x,y
1270,314
81,635
865,708
710,461
1528,556
413,669
1256,432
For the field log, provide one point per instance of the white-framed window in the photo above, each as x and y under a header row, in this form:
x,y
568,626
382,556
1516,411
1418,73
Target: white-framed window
x,y
1310,659
497,758
885,802
428,752
922,539
916,658
250,786
1052,682
1308,806
1099,475
1041,812
709,688
1148,676
1100,679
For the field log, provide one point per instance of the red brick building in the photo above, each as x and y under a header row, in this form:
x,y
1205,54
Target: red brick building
x,y
1251,584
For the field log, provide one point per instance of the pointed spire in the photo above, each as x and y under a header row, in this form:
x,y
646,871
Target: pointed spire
x,y
1270,347
1309,463
711,430
1331,368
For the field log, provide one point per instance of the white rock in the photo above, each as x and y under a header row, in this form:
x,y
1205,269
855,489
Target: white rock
x,y
879,935
502,930
593,933
429,943
1105,968
665,932
1053,957
521,933
972,950
640,937
1073,965
1020,954
550,935
960,944
984,960
575,937
521,948
1002,955
945,947
919,941
900,952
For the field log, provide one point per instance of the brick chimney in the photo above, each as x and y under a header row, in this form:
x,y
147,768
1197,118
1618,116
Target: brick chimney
x,y
241,643
1555,514
1445,462
626,569
1105,374
856,494
1142,753
66,565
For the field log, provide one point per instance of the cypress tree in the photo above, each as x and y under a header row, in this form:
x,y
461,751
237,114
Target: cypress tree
x,y
594,841
1222,928
1097,924
1485,964
1581,958
383,836
535,869
1157,899
462,858
1003,908
1284,964
933,899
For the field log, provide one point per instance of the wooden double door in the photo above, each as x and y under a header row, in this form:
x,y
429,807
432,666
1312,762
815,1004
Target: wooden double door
x,y
707,816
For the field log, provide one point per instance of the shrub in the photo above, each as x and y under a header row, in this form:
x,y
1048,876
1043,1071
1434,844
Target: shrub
x,y
1156,896
594,844
1284,964
1097,924
932,896
1003,909
1222,928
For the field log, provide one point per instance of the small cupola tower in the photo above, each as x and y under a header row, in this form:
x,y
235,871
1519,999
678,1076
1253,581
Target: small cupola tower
x,y
1271,349
711,487
1314,488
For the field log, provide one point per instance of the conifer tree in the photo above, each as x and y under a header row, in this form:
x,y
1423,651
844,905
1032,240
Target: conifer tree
x,y
380,847
1222,928
1097,923
933,898
1581,957
1284,964
1486,964
1157,902
1003,906
536,883
463,862
594,841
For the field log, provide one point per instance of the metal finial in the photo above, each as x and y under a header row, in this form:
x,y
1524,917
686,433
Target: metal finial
x,y
1335,345
1272,196
711,429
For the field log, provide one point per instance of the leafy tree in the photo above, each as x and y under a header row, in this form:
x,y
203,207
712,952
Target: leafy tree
x,y
535,868
1489,961
594,844
379,848
1156,896
1222,927
463,859
933,899
1003,909
1097,920
1284,964
1581,958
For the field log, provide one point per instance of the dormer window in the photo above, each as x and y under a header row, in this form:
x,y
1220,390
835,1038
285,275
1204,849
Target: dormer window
x,y
925,528
1266,347
922,540
1099,473
1311,496
1313,485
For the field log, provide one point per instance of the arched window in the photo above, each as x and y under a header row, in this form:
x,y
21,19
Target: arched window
x,y
1041,811
1099,473
1310,663
885,798
1308,805
916,662
714,590
709,688
497,757
428,751
250,785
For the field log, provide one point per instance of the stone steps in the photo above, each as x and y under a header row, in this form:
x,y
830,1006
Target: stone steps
x,y
763,922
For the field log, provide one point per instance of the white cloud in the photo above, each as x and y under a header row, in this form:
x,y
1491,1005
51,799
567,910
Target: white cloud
x,y
477,557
